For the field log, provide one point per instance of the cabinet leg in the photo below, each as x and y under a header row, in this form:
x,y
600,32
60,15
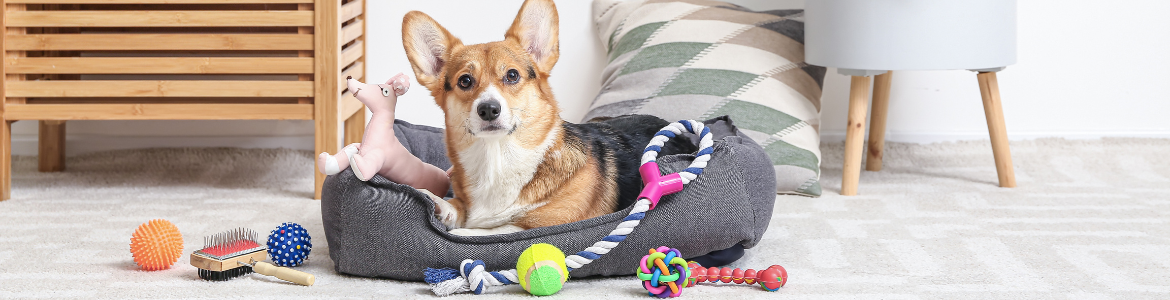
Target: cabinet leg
x,y
5,159
989,88
326,136
854,134
877,121
51,153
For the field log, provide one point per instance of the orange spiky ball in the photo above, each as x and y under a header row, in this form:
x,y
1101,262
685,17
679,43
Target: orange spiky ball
x,y
156,245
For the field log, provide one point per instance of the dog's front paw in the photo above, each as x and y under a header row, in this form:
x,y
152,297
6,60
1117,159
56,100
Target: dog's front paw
x,y
443,210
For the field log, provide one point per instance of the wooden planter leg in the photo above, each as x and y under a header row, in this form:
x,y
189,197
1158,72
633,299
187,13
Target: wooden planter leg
x,y
51,155
854,134
877,121
989,88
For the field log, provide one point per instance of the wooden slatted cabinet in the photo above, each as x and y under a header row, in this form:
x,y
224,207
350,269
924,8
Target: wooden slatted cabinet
x,y
179,60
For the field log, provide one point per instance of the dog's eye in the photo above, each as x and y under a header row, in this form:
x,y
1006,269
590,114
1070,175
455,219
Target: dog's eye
x,y
385,92
465,81
512,76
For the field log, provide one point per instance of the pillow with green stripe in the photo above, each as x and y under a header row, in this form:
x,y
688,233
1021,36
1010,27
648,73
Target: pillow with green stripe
x,y
698,59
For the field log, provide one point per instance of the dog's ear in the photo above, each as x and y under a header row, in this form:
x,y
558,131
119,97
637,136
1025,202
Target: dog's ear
x,y
428,47
536,29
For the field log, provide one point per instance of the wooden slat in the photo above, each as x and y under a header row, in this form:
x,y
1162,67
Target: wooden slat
x,y
190,18
304,53
159,88
352,31
12,32
156,1
347,106
159,65
356,71
162,100
351,10
159,111
352,53
34,42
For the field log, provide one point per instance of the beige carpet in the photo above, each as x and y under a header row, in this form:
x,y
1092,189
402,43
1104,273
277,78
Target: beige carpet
x,y
1089,221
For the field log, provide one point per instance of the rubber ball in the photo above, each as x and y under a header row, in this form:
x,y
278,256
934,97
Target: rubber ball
x,y
289,245
156,245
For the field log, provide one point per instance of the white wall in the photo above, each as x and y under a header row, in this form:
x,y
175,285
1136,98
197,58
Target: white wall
x,y
1086,69
575,78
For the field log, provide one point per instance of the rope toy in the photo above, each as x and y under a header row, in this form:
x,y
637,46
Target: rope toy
x,y
472,276
771,279
664,273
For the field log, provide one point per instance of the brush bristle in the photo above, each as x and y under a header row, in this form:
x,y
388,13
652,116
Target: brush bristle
x,y
224,275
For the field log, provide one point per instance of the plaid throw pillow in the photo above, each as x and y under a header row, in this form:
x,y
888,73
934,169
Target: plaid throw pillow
x,y
697,59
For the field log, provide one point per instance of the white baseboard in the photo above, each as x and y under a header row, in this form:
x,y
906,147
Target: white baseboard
x,y
937,137
78,144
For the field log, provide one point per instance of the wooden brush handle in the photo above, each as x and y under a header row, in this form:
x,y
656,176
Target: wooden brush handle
x,y
291,275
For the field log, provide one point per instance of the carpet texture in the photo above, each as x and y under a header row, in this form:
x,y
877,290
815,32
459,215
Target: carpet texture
x,y
1089,221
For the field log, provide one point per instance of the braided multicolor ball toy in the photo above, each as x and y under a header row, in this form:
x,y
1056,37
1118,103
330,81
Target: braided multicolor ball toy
x,y
289,245
771,279
663,272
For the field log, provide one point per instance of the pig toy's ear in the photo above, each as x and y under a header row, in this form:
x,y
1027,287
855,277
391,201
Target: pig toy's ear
x,y
400,83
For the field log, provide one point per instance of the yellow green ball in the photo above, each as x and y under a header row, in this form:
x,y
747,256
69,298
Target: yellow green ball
x,y
542,269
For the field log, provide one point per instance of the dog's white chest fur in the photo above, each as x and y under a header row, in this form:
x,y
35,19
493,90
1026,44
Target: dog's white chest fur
x,y
496,170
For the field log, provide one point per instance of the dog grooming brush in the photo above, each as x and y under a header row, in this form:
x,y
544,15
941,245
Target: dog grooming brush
x,y
235,253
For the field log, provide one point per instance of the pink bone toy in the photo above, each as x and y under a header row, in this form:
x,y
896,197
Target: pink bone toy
x,y
656,184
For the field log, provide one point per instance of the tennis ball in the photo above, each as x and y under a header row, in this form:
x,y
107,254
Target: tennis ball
x,y
542,269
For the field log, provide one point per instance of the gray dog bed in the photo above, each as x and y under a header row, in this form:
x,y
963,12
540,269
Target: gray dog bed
x,y
380,228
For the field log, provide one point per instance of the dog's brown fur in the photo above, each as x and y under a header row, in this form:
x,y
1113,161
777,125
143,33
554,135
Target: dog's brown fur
x,y
569,182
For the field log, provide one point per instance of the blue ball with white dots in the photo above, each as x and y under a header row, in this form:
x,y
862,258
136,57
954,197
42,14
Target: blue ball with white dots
x,y
289,245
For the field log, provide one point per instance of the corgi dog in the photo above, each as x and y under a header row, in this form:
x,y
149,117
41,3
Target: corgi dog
x,y
516,164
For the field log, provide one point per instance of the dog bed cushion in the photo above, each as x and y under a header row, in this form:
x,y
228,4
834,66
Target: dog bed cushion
x,y
693,59
379,228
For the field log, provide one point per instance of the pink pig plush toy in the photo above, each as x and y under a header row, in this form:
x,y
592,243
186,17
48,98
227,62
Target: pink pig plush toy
x,y
380,152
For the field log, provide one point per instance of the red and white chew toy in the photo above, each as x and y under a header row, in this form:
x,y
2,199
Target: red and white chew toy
x,y
771,279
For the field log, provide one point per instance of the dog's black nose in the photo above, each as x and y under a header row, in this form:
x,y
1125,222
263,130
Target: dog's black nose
x,y
488,110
